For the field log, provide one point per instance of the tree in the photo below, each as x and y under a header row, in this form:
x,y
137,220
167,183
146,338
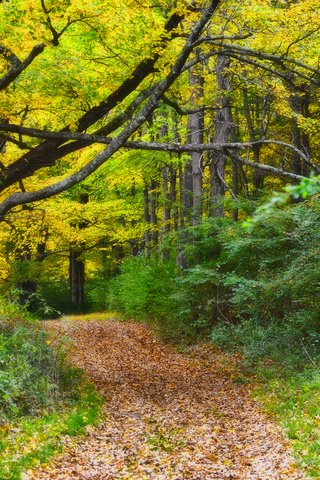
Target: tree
x,y
136,95
49,152
154,109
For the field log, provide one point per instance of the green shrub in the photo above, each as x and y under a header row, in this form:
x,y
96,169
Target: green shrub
x,y
272,268
42,398
290,343
12,313
258,279
271,273
143,288
180,305
33,376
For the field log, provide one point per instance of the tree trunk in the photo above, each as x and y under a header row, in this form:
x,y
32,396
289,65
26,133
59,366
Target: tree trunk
x,y
153,213
187,193
235,188
166,198
76,276
300,106
77,265
196,135
173,196
146,209
258,175
181,195
166,218
223,127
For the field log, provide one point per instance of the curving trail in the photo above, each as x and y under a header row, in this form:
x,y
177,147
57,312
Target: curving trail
x,y
167,415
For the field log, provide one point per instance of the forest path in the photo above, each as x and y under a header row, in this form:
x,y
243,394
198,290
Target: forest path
x,y
166,416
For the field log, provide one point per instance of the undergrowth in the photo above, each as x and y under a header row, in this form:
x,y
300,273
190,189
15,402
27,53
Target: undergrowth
x,y
249,287
295,401
42,398
31,440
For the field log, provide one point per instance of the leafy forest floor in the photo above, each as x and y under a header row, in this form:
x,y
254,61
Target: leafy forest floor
x,y
167,415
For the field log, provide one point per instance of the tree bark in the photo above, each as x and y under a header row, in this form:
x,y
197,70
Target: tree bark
x,y
76,277
77,266
153,212
257,176
146,209
196,135
187,193
173,196
166,198
223,126
300,106
166,218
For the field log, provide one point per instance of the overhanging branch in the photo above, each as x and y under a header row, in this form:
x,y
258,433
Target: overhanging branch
x,y
156,146
18,68
47,153
119,141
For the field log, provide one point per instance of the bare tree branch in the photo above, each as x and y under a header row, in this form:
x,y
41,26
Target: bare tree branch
x,y
55,34
185,111
18,68
9,56
281,59
244,55
156,146
118,142
278,172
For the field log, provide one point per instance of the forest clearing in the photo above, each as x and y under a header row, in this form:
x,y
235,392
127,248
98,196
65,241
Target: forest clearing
x,y
159,159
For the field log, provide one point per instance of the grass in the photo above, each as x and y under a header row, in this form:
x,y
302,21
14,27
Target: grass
x,y
97,316
29,441
295,401
285,378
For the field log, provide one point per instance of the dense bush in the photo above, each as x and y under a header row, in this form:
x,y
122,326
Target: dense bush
x,y
272,267
255,284
42,398
142,290
272,271
34,377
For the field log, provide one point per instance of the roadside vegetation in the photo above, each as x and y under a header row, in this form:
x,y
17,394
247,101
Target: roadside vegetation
x,y
42,398
250,287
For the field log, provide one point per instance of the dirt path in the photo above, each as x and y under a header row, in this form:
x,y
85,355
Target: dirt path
x,y
167,415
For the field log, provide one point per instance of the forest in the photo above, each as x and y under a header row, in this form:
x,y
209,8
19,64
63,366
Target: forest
x,y
159,165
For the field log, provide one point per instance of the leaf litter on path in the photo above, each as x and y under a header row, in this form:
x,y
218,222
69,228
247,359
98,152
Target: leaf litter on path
x,y
167,415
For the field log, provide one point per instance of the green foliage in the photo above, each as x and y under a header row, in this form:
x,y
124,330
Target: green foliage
x,y
11,312
306,188
202,244
291,343
42,398
195,298
295,400
183,304
257,281
57,295
272,268
33,440
141,290
33,376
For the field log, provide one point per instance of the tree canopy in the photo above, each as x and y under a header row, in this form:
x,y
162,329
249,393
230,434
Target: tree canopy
x,y
146,118
80,74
